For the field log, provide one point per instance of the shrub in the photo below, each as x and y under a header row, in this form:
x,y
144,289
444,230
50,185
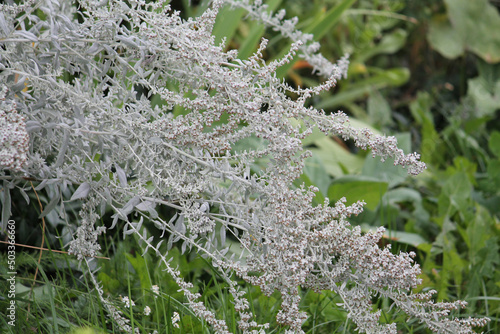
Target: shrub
x,y
140,110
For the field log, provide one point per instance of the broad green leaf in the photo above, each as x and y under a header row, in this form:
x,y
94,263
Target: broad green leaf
x,y
41,293
358,111
358,124
109,283
462,164
317,174
431,150
320,27
400,195
408,195
494,143
345,96
477,22
454,194
420,108
490,74
139,264
480,225
384,171
313,137
489,257
472,26
336,157
454,266
486,97
494,172
485,269
444,245
358,188
444,38
250,43
379,110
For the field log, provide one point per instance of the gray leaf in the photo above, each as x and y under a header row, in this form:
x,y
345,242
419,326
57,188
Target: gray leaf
x,y
129,207
81,192
26,34
52,204
3,25
222,236
122,177
179,225
6,205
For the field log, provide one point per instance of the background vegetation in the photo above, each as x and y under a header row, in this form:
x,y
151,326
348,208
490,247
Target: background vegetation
x,y
425,71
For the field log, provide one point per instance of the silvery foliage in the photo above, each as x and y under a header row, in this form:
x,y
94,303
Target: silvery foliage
x,y
96,134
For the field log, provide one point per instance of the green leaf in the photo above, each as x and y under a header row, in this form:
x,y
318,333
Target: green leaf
x,y
109,283
313,137
345,96
444,38
431,149
477,21
316,172
335,157
318,28
420,108
227,23
462,164
408,195
489,257
358,188
41,293
479,230
454,194
379,110
486,97
494,172
389,44
494,143
249,45
400,195
471,26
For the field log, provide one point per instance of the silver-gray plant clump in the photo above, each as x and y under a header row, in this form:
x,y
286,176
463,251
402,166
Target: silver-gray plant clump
x,y
96,133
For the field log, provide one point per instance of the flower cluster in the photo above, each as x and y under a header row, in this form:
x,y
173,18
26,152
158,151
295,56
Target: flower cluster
x,y
14,140
93,124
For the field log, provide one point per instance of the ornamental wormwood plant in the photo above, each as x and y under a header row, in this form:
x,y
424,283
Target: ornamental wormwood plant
x,y
97,134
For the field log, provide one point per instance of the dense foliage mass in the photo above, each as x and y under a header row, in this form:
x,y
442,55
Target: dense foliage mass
x,y
128,112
